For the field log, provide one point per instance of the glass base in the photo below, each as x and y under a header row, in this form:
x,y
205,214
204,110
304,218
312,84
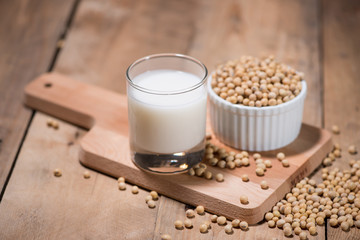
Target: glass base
x,y
167,163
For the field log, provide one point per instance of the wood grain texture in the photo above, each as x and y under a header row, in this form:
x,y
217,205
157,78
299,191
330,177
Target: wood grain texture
x,y
212,31
119,32
341,83
29,31
106,149
108,35
41,206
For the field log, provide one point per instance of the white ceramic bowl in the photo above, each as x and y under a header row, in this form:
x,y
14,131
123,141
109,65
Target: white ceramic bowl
x,y
256,128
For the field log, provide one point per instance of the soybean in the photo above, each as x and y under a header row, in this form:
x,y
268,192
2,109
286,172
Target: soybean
x,y
188,223
200,210
228,229
221,220
243,225
57,172
178,224
244,199
135,189
190,213
219,177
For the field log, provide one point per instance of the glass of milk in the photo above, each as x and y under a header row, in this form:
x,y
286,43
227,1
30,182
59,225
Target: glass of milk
x,y
167,112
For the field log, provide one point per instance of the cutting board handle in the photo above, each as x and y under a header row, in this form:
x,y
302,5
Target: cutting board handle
x,y
76,102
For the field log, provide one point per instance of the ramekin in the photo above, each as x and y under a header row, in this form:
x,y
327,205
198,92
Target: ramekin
x,y
256,128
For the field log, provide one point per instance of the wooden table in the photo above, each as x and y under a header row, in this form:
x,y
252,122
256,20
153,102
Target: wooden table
x,y
94,41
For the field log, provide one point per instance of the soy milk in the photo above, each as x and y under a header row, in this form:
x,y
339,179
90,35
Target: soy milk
x,y
165,116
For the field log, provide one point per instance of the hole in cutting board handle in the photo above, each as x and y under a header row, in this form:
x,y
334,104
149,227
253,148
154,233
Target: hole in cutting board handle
x,y
48,85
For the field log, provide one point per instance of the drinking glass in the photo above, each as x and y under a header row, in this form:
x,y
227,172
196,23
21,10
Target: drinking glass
x,y
167,112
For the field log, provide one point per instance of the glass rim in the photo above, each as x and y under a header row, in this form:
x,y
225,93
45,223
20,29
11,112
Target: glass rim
x,y
161,55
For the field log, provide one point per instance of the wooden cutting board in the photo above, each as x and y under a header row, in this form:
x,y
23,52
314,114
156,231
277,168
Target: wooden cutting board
x,y
105,148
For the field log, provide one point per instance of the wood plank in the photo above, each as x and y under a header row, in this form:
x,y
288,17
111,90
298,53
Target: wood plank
x,y
341,83
26,51
109,35
121,32
106,149
38,205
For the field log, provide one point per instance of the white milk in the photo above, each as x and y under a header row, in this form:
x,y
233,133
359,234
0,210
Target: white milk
x,y
166,123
